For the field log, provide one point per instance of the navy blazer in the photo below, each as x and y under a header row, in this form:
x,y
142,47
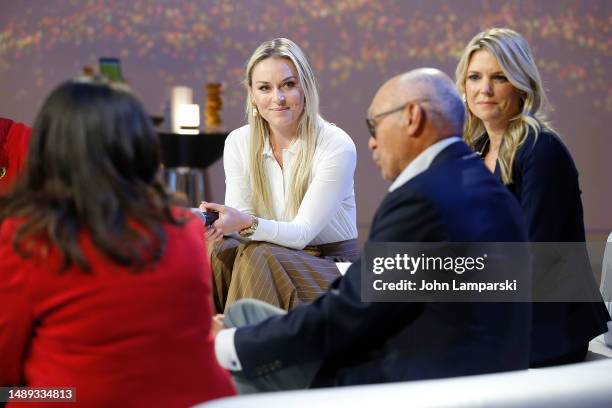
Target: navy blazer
x,y
355,342
545,182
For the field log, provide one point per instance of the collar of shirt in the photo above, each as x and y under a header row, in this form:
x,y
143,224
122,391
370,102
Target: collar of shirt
x,y
422,162
267,150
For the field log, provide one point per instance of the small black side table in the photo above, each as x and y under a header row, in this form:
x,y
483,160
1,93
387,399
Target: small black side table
x,y
185,159
196,151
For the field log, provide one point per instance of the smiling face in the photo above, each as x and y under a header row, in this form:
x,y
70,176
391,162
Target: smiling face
x,y
277,93
490,96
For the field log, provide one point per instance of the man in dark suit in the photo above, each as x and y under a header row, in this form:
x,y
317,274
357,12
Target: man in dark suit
x,y
441,191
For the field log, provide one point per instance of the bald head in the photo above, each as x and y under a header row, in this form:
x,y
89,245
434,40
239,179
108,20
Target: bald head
x,y
409,113
438,93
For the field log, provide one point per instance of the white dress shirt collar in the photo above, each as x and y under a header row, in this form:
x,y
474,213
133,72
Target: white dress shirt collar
x,y
422,162
267,149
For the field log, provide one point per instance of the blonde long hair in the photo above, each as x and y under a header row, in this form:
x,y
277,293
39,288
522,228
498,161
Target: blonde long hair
x,y
307,131
516,60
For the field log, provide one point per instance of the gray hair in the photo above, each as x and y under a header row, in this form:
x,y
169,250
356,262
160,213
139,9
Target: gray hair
x,y
442,99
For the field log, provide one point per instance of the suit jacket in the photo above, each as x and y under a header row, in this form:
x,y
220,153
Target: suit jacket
x,y
545,182
120,338
456,199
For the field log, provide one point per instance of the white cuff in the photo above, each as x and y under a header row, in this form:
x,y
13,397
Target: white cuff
x,y
226,350
267,230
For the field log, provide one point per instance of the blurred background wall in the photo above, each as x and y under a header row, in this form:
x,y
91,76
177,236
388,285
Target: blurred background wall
x,y
353,45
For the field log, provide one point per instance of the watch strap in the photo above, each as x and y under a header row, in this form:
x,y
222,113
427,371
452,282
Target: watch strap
x,y
249,231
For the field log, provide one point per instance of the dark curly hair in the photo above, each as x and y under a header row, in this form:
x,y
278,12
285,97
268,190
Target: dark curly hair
x,y
92,166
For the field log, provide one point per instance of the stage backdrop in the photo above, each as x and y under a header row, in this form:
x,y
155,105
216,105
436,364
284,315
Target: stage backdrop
x,y
353,45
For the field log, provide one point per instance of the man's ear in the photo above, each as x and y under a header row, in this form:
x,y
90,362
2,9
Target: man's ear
x,y
414,119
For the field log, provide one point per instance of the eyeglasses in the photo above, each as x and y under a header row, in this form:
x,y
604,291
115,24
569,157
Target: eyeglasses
x,y
371,121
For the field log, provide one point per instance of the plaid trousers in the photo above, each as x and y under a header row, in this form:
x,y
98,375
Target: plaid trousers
x,y
280,276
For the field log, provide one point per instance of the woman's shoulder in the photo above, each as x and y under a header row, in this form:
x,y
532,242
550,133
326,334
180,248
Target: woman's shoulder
x,y
547,144
36,245
334,138
239,135
236,143
546,149
544,136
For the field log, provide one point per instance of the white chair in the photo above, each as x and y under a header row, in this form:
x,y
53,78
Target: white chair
x,y
582,385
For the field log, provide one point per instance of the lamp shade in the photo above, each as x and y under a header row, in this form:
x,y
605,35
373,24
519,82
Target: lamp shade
x,y
179,95
188,119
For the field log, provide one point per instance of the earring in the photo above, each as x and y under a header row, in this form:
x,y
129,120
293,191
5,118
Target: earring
x,y
254,112
464,99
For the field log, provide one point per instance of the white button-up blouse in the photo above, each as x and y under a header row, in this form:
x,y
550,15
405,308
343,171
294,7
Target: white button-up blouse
x,y
327,212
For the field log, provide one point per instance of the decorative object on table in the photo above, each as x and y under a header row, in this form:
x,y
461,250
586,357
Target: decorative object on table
x,y
110,68
184,155
179,95
88,71
214,103
188,119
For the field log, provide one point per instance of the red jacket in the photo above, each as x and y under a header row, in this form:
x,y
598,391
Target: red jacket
x,y
14,139
121,339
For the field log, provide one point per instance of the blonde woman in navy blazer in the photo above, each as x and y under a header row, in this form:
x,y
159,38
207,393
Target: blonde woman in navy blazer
x,y
504,96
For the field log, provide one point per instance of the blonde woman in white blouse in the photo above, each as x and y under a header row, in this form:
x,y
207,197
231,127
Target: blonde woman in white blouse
x,y
289,208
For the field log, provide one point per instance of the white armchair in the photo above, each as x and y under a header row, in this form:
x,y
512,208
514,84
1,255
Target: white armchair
x,y
582,385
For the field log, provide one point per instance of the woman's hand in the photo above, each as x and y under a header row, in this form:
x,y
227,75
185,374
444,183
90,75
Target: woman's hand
x,y
230,220
212,235
217,324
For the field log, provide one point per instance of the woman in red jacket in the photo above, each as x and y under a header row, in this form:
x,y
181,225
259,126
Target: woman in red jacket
x,y
104,285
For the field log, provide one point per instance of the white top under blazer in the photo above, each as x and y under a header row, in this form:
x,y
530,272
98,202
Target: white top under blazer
x,y
327,212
